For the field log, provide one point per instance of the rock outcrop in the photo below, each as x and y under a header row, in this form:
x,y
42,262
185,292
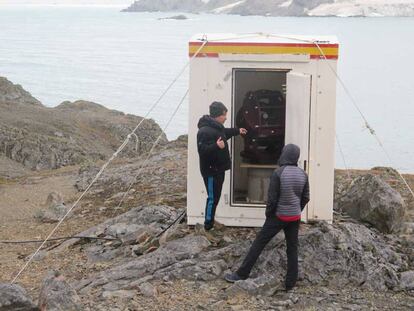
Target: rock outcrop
x,y
407,280
14,94
279,7
10,169
176,17
56,294
161,179
71,133
53,209
372,200
14,297
339,255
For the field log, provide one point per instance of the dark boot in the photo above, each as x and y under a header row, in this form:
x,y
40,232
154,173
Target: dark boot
x,y
233,277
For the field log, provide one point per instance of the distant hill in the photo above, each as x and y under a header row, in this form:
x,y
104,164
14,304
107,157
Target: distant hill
x,y
39,137
344,8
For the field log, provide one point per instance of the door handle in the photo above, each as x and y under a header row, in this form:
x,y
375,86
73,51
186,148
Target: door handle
x,y
305,165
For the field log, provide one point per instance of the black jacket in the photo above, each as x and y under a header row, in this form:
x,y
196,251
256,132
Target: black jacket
x,y
289,185
213,160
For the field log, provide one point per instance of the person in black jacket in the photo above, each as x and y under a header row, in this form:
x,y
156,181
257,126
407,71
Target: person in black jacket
x,y
214,155
287,197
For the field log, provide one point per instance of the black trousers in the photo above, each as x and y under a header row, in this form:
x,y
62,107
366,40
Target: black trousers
x,y
270,228
214,185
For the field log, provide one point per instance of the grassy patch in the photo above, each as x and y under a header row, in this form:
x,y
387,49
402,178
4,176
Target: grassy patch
x,y
3,181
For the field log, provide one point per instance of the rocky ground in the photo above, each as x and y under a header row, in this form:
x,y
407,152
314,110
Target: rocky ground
x,y
347,265
360,262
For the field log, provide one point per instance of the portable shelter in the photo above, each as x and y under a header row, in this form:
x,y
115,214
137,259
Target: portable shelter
x,y
283,90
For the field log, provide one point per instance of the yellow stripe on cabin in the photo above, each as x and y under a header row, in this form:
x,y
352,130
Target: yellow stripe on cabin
x,y
222,49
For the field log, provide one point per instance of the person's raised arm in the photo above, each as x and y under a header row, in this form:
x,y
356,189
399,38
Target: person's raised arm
x,y
231,132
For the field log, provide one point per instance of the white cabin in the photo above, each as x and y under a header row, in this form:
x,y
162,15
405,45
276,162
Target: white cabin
x,y
283,89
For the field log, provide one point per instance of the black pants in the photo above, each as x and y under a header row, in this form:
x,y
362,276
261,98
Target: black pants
x,y
270,228
213,184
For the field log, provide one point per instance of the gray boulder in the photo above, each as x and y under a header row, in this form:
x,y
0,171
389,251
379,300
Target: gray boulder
x,y
407,280
14,297
56,294
126,274
10,169
372,200
55,208
147,289
128,227
338,255
86,174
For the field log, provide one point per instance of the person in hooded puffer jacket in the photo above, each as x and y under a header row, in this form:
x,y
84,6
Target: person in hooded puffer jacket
x,y
287,197
214,155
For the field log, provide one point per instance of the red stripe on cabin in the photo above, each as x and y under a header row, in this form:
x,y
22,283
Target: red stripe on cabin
x,y
321,57
205,54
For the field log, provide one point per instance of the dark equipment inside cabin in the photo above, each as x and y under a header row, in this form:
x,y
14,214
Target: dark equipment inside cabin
x,y
263,115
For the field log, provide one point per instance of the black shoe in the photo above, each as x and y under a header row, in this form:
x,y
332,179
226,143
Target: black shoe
x,y
289,288
233,277
208,227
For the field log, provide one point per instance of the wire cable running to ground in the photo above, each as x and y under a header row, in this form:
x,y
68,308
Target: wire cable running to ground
x,y
178,219
354,103
169,87
342,156
57,239
123,145
368,126
152,149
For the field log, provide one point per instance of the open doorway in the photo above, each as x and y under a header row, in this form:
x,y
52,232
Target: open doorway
x,y
259,105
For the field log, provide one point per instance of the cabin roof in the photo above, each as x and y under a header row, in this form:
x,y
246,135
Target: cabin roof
x,y
263,38
220,44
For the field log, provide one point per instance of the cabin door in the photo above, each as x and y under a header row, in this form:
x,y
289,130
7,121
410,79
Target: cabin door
x,y
298,100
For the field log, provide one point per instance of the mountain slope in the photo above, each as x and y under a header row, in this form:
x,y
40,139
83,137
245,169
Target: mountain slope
x,y
46,138
280,7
